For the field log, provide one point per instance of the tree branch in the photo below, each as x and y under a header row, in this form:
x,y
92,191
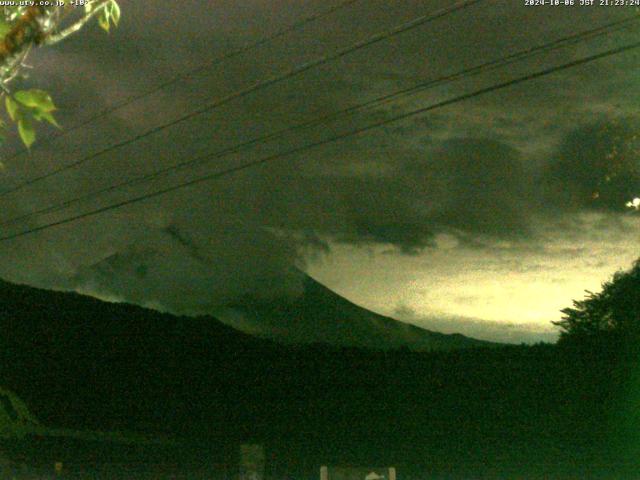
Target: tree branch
x,y
55,38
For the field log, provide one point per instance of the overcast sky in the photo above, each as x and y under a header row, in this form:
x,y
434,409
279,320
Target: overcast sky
x,y
485,217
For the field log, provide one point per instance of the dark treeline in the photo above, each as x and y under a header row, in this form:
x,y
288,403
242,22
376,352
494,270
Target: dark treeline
x,y
503,412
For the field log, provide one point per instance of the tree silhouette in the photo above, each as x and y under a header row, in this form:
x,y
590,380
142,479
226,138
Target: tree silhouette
x,y
613,313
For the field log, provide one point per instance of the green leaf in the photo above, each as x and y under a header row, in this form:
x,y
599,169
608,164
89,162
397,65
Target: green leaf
x,y
12,108
104,19
26,131
48,117
110,15
104,23
115,12
36,99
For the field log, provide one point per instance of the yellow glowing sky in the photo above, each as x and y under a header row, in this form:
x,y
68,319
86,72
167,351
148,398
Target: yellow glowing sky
x,y
523,286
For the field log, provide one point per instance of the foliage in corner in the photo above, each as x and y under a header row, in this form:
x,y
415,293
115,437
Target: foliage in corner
x,y
25,27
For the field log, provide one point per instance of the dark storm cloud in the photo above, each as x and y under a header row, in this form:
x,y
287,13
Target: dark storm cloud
x,y
473,185
485,186
596,167
465,170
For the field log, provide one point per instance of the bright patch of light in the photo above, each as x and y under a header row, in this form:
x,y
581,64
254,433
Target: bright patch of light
x,y
635,203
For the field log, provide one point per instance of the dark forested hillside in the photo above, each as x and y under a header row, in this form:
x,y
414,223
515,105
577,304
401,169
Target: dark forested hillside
x,y
479,413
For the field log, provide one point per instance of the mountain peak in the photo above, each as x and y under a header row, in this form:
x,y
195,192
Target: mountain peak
x,y
319,315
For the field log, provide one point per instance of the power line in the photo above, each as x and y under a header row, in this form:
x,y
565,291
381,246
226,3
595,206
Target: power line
x,y
193,72
417,22
293,151
465,73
